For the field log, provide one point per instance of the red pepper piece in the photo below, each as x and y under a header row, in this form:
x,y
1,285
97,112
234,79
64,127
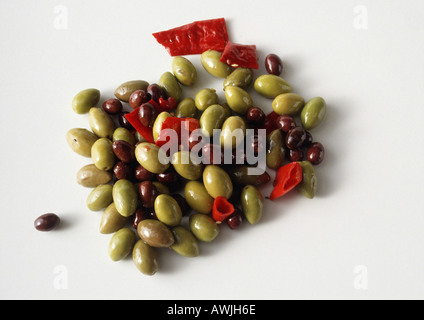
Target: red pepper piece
x,y
222,209
194,38
169,104
146,132
271,122
239,55
288,177
176,124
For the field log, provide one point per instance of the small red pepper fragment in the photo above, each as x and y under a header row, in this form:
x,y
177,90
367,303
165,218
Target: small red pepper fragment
x,y
287,177
169,104
194,38
146,132
271,122
222,209
177,124
240,56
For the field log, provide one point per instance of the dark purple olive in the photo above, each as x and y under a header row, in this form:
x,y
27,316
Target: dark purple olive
x,y
147,114
308,140
236,219
142,174
47,222
168,178
273,64
315,153
139,97
295,155
255,116
124,122
123,170
148,193
155,92
140,215
112,106
295,138
286,123
124,151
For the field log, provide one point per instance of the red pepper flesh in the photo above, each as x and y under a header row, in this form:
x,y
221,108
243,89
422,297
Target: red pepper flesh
x,y
240,56
169,104
222,209
194,38
287,177
146,132
177,124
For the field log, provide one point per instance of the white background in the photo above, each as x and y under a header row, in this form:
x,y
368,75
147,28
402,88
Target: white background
x,y
364,227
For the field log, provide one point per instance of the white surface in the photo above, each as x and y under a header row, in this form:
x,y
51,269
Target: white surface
x,y
369,208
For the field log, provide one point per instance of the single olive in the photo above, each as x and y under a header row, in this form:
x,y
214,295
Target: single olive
x,y
236,219
100,197
124,135
123,170
295,155
255,116
205,98
185,167
123,121
184,71
271,86
101,123
138,97
186,109
275,149
157,126
252,203
125,197
124,151
85,100
169,178
288,103
47,222
309,185
170,85
125,90
240,77
203,227
295,138
217,182
155,233
112,106
142,174
185,242
81,141
90,176
238,99
147,114
233,132
273,64
168,210
145,258
198,197
102,154
162,189
211,61
121,244
151,157
315,153
212,118
148,193
286,123
139,215
313,113
111,220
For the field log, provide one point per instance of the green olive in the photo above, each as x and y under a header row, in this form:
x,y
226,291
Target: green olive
x,y
240,77
198,197
111,220
233,132
102,154
124,91
203,227
149,156
100,197
185,242
212,118
170,85
90,176
145,258
275,153
157,125
101,123
125,197
217,182
186,109
155,233
271,86
252,203
313,113
288,103
168,210
81,140
211,61
205,98
238,99
85,100
121,244
185,167
184,71
124,135
309,185
161,188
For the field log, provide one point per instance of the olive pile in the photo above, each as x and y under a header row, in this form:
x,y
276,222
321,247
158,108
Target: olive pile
x,y
143,200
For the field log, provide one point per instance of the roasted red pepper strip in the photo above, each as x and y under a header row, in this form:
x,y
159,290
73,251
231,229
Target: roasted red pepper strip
x,y
288,177
146,132
177,124
194,38
222,209
271,122
169,104
240,56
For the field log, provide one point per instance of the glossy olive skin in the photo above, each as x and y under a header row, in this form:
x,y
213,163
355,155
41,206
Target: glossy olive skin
x,y
186,109
125,90
157,126
203,227
198,197
217,182
101,123
288,103
275,151
233,132
238,99
145,258
309,185
81,141
273,64
102,154
125,197
155,233
47,222
295,138
210,60
170,85
255,116
313,113
271,86
148,193
84,100
124,135
90,176
111,220
240,175
315,153
205,98
112,106
185,242
212,118
139,97
100,197
147,154
121,244
240,77
184,71
185,167
168,210
252,203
